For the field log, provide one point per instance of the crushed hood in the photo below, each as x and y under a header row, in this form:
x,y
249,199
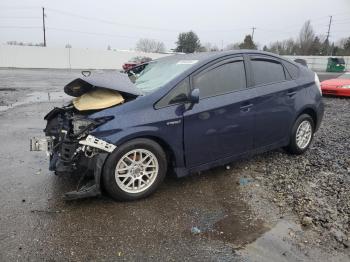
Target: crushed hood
x,y
112,80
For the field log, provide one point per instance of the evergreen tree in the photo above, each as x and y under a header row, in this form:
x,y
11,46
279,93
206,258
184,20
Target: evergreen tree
x,y
188,42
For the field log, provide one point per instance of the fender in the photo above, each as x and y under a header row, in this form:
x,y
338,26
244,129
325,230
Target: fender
x,y
153,132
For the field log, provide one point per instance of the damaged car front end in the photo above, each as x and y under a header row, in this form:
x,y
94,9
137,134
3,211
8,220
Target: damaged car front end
x,y
69,144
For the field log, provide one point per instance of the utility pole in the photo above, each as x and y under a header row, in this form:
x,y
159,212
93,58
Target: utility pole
x,y
328,32
329,27
44,27
253,28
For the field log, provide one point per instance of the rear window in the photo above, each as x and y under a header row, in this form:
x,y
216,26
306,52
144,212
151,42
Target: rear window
x,y
267,71
293,70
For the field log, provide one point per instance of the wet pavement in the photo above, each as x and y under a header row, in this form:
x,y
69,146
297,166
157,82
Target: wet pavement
x,y
203,217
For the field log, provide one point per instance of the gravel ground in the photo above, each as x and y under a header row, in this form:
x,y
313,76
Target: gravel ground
x,y
314,187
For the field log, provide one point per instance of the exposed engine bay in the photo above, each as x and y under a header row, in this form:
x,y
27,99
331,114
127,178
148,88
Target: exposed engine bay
x,y
68,129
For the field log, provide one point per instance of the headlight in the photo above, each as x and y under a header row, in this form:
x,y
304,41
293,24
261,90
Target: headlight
x,y
346,86
82,125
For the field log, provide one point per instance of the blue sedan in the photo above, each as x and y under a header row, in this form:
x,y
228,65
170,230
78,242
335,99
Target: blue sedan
x,y
181,113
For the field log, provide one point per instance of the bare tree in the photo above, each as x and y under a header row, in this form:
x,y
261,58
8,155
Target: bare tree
x,y
306,38
150,46
284,47
234,46
23,43
209,47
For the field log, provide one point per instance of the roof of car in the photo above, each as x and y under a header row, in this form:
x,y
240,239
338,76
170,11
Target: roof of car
x,y
208,56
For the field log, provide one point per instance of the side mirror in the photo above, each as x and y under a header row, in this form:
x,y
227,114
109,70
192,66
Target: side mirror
x,y
194,98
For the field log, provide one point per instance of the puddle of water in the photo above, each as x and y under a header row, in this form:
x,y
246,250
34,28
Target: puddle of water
x,y
238,228
39,97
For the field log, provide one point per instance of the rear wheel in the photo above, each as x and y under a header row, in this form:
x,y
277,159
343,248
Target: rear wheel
x,y
301,135
134,170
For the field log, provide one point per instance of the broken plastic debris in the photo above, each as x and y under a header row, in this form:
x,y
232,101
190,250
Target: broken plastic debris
x,y
195,230
245,181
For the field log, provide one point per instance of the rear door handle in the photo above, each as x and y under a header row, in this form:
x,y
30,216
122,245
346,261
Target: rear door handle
x,y
291,93
246,108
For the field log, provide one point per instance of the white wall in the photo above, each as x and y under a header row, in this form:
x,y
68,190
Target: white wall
x,y
319,63
74,58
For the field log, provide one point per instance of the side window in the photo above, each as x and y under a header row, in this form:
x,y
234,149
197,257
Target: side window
x,y
177,95
220,80
267,71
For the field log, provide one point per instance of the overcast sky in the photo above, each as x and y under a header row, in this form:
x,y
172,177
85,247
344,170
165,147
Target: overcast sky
x,y
97,24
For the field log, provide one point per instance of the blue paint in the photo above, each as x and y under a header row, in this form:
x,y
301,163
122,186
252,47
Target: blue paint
x,y
218,129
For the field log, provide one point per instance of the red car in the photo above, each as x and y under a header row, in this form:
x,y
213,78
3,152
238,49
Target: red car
x,y
138,60
338,86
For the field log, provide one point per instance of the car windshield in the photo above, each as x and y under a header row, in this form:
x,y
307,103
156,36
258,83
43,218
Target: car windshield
x,y
345,76
157,73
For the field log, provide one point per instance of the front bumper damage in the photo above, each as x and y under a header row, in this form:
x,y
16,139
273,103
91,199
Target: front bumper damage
x,y
73,150
90,189
95,149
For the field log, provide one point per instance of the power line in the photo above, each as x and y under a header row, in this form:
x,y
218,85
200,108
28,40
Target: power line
x,y
21,27
23,17
342,23
96,33
89,18
18,7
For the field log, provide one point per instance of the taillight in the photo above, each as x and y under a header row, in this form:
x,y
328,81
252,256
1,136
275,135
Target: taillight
x,y
318,84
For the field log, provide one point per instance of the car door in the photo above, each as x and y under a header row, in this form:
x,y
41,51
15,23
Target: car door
x,y
221,124
275,101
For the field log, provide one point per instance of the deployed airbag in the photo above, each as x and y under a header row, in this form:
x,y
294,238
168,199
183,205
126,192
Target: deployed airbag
x,y
98,99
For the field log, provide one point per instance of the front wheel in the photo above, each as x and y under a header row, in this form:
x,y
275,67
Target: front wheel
x,y
301,135
134,170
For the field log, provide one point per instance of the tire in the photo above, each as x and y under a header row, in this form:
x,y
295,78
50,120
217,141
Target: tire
x,y
299,148
134,178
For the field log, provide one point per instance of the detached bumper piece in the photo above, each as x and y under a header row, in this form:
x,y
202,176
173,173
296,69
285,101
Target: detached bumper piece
x,y
96,152
92,188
